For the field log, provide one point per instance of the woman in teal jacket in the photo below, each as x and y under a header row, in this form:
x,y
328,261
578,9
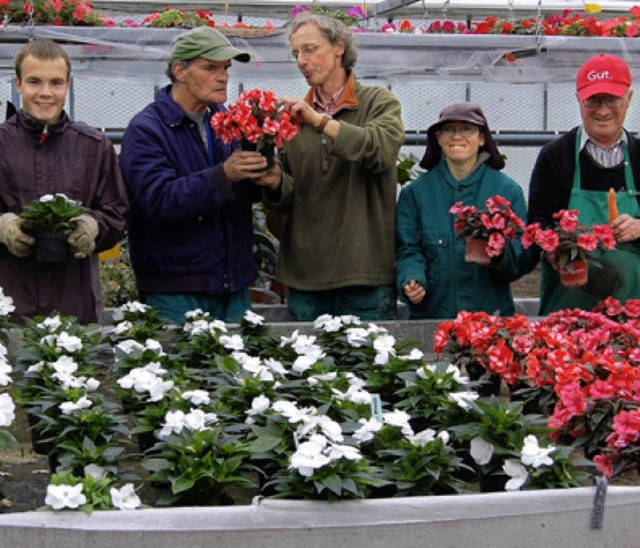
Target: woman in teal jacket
x,y
463,164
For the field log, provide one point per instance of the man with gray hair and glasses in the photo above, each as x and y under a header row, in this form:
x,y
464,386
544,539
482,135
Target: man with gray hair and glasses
x,y
577,170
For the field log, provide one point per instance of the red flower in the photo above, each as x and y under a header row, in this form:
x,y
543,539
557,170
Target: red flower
x,y
569,240
497,224
257,117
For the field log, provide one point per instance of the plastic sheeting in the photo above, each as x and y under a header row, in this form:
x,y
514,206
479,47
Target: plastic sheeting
x,y
141,53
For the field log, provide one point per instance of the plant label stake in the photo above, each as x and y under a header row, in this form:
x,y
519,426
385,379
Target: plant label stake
x,y
597,512
376,407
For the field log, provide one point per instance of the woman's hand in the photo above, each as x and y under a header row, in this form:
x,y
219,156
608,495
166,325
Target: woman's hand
x,y
414,291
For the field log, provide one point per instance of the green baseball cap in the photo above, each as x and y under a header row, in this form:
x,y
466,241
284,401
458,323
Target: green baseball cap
x,y
208,43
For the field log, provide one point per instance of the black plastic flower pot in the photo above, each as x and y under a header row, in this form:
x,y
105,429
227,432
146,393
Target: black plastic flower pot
x,y
51,248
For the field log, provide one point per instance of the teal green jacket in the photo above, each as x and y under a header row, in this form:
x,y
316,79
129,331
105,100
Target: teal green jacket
x,y
429,252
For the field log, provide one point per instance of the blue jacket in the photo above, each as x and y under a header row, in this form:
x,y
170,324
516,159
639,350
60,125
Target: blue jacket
x,y
429,251
190,230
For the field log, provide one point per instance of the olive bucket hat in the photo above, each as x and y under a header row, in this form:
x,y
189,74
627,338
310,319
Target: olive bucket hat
x,y
208,43
461,112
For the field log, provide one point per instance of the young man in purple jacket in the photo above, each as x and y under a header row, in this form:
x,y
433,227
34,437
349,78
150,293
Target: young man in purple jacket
x,y
43,151
190,227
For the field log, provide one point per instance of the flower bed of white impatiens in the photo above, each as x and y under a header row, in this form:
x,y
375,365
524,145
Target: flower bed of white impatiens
x,y
216,414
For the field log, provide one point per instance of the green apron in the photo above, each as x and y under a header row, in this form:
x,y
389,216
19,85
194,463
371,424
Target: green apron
x,y
618,271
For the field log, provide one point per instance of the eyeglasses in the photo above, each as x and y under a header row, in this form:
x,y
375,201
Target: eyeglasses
x,y
610,102
465,131
305,51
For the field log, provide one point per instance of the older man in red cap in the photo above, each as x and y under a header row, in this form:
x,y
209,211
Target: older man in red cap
x,y
577,170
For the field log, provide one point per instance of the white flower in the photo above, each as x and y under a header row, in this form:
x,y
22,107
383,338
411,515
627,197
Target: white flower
x,y
68,407
328,323
253,365
69,381
95,471
197,327
259,404
275,366
125,498
384,346
64,365
158,389
154,346
196,420
70,343
195,314
398,418
415,354
140,379
302,343
173,423
518,474
350,319
36,368
481,451
130,346
135,307
357,337
444,436
463,398
123,327
50,324
7,410
65,496
253,318
5,370
6,304
368,428
534,455
309,456
302,363
344,452
330,428
290,411
355,394
422,438
197,397
92,384
234,342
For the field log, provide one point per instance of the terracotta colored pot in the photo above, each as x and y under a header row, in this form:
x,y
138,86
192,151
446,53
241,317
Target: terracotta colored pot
x,y
575,274
475,251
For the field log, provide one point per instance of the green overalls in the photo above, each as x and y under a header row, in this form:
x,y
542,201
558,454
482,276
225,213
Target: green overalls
x,y
618,274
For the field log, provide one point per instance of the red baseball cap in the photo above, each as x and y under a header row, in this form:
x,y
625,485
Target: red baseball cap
x,y
603,74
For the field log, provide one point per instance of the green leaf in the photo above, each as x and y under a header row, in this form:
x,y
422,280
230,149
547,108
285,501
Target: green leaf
x,y
333,483
182,483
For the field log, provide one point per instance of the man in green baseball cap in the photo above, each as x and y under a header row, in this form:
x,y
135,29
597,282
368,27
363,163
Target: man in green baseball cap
x,y
189,225
208,43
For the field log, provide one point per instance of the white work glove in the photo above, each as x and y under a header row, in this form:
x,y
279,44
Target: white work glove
x,y
82,241
18,243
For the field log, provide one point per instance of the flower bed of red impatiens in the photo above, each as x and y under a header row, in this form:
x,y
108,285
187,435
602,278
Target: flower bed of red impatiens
x,y
583,366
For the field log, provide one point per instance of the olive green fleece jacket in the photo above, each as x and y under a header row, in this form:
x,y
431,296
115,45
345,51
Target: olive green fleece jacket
x,y
340,196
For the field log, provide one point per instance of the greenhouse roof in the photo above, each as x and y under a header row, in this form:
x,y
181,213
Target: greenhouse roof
x,y
421,8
